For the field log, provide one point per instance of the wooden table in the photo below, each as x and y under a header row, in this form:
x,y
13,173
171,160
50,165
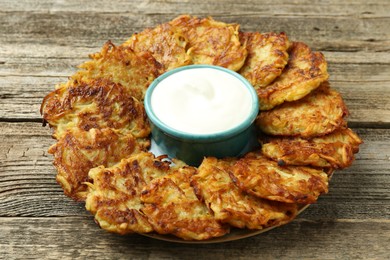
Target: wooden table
x,y
41,42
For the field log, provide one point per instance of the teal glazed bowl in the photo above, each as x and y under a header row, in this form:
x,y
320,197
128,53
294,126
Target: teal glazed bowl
x,y
193,147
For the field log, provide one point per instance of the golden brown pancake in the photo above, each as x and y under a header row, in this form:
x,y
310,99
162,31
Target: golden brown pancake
x,y
267,56
114,193
264,178
77,151
94,104
211,42
334,150
172,207
167,45
317,114
230,205
304,72
120,64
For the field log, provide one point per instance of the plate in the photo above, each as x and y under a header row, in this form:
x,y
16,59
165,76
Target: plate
x,y
235,233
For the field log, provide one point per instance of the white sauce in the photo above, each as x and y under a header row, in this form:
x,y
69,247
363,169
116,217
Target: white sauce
x,y
201,101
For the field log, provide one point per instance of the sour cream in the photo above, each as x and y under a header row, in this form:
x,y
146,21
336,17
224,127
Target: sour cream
x,y
201,101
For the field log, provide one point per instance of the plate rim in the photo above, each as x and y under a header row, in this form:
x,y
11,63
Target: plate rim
x,y
225,238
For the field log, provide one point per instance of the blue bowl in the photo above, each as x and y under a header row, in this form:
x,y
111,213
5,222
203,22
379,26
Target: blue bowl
x,y
192,148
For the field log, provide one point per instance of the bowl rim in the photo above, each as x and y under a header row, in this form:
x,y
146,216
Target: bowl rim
x,y
201,137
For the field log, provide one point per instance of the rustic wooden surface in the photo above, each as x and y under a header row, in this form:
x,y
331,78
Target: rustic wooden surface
x,y
41,43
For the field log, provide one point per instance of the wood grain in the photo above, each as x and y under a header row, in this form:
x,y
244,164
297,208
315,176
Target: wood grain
x,y
41,44
266,7
324,32
364,83
41,238
28,186
36,54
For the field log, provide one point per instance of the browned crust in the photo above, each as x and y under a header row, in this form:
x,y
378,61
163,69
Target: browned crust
x,y
334,150
264,178
121,65
114,193
173,208
167,45
78,151
229,204
211,42
267,57
317,114
94,104
304,72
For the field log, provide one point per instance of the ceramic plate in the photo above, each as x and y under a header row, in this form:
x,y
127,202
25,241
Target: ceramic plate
x,y
234,234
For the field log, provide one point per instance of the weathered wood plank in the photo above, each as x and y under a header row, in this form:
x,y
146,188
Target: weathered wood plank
x,y
364,66
50,42
266,7
28,187
39,51
79,237
84,29
41,42
368,102
365,85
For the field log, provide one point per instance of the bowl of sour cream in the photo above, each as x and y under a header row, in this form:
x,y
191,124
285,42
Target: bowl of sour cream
x,y
201,110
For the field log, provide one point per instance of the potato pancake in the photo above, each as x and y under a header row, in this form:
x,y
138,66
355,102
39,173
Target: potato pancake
x,y
77,151
94,104
166,44
264,178
267,56
172,207
334,150
317,114
230,205
211,42
114,193
304,72
120,64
